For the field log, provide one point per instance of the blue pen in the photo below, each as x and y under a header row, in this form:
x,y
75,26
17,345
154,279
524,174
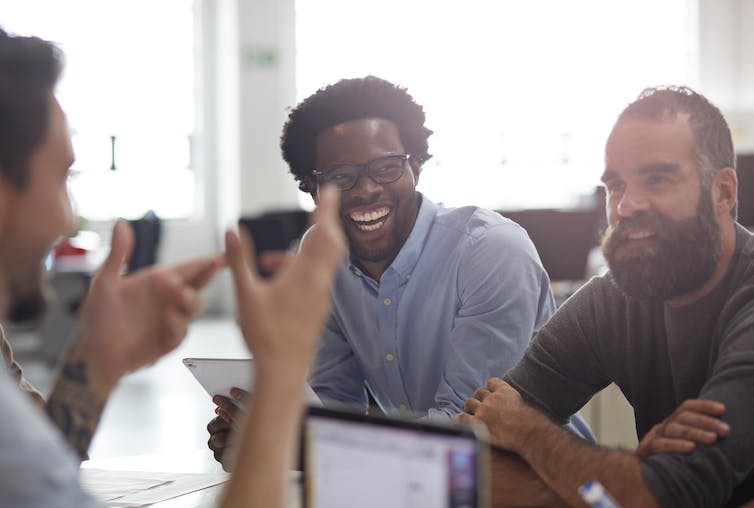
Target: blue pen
x,y
596,496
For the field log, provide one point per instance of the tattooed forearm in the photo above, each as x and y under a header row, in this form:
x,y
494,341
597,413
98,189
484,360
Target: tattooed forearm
x,y
74,407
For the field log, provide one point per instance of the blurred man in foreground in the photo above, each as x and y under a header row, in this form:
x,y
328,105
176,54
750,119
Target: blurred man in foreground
x,y
128,322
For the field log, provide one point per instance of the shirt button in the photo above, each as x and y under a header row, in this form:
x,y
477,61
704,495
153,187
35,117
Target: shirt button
x,y
389,357
403,407
387,301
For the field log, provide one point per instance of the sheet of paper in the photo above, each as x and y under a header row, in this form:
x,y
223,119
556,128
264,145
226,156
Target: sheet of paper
x,y
136,488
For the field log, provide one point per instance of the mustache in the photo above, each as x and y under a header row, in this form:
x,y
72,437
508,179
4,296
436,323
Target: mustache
x,y
625,225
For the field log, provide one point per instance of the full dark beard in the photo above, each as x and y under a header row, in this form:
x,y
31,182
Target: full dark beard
x,y
375,252
685,258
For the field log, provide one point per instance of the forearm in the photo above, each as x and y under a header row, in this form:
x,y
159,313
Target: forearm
x,y
565,462
77,400
514,484
267,441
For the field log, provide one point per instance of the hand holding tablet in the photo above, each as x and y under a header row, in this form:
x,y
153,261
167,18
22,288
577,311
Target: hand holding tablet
x,y
219,375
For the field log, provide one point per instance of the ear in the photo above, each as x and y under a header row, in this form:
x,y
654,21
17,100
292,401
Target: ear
x,y
308,184
724,191
416,168
312,188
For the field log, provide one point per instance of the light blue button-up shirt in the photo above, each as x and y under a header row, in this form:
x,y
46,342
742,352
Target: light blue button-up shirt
x,y
37,468
458,305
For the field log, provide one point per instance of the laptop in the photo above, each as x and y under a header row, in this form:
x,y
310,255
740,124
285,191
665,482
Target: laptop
x,y
351,459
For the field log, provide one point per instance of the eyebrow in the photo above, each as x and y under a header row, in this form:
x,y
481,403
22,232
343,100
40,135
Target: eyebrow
x,y
649,169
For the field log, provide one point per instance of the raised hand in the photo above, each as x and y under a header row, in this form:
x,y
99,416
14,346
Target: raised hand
x,y
281,317
131,321
126,323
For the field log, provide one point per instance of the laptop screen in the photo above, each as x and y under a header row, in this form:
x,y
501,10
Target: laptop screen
x,y
354,460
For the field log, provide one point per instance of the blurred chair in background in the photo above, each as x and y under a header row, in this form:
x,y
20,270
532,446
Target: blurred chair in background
x,y
564,240
147,234
275,231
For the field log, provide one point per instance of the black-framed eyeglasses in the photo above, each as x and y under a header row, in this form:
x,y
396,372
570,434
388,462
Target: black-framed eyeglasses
x,y
381,170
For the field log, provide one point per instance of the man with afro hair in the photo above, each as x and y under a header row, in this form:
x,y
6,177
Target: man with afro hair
x,y
431,301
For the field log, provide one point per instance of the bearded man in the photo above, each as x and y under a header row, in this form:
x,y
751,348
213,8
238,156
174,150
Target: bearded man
x,y
671,324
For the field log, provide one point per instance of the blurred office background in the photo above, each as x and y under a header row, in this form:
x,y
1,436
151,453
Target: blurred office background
x,y
176,106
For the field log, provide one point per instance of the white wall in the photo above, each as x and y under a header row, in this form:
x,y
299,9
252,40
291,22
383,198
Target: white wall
x,y
267,88
726,73
245,82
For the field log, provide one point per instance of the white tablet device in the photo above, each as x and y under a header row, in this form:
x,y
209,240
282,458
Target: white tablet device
x,y
218,375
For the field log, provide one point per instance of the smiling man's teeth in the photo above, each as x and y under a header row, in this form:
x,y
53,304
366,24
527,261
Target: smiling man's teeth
x,y
370,227
639,235
369,216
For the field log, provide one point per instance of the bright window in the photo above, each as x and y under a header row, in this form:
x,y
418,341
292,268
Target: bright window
x,y
521,94
128,90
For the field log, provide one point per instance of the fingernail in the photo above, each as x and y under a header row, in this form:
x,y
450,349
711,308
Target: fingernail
x,y
236,394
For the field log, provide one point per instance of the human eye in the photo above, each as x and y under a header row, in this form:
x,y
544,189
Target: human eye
x,y
387,166
614,186
657,179
339,175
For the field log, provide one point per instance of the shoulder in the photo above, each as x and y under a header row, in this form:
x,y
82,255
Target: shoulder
x,y
475,224
741,272
738,306
744,266
488,249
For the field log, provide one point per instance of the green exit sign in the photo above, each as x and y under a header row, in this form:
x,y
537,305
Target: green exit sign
x,y
259,58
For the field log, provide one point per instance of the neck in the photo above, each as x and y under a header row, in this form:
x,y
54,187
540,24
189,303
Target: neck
x,y
374,270
727,246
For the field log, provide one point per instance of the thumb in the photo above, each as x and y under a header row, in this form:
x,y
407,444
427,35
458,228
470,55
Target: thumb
x,y
121,245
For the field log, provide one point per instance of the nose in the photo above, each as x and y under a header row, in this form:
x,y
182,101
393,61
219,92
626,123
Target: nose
x,y
632,202
365,188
